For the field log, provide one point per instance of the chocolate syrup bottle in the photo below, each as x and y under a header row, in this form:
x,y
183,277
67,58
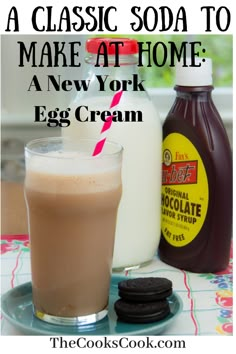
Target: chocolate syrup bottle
x,y
196,177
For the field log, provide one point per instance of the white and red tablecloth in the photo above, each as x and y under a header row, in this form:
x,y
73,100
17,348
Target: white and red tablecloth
x,y
207,298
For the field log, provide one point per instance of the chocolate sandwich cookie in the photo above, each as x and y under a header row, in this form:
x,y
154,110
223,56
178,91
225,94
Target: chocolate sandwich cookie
x,y
134,312
145,289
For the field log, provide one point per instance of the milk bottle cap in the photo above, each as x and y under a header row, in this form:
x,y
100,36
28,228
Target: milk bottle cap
x,y
129,45
198,75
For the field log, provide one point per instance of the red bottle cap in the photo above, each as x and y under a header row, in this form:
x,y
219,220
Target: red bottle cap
x,y
128,46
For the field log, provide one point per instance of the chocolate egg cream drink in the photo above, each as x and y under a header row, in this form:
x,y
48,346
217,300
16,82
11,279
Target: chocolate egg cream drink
x,y
72,200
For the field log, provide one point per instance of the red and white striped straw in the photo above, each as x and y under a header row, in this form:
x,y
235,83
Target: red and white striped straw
x,y
107,125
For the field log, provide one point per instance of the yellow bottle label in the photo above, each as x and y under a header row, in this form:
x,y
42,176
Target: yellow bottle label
x,y
185,192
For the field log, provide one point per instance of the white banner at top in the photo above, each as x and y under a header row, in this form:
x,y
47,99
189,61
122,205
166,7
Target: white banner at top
x,y
123,17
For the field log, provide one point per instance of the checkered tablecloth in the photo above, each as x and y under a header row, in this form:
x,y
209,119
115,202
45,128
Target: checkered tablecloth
x,y
207,298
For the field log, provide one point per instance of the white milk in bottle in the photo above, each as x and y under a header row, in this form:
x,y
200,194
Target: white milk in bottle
x,y
137,127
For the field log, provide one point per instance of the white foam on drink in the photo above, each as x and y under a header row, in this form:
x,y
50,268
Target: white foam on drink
x,y
71,172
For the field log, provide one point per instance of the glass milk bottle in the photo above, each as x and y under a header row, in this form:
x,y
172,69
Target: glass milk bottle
x,y
137,127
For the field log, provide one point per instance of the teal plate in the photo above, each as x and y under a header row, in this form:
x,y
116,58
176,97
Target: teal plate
x,y
17,309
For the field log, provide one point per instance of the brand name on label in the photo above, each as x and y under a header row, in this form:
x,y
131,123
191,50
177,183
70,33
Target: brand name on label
x,y
179,173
